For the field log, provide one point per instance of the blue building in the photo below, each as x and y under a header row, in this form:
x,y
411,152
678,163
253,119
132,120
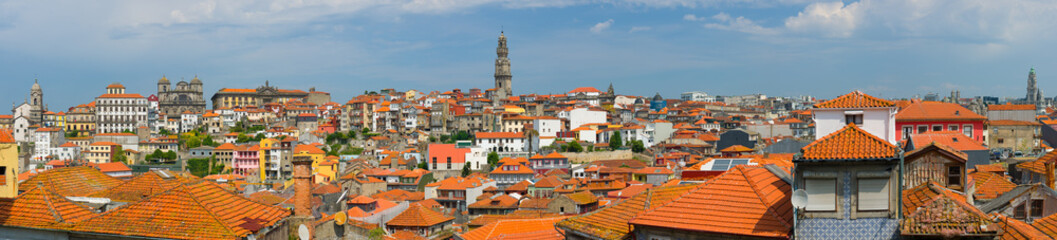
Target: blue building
x,y
658,103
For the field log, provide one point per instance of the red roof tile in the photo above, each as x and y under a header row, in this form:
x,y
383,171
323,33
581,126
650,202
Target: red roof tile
x,y
931,209
143,186
936,111
1013,229
524,229
746,201
197,211
72,181
418,216
736,148
1010,107
489,135
953,139
990,185
855,99
851,142
39,207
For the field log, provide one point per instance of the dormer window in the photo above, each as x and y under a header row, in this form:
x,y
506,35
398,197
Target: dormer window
x,y
855,118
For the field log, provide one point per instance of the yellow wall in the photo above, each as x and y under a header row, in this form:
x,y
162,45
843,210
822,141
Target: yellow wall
x,y
9,160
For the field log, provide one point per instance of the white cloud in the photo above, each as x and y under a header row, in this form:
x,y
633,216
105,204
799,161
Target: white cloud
x,y
691,17
602,26
831,19
740,24
639,29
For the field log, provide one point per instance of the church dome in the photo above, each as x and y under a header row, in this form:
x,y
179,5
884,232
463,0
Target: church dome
x,y
658,97
163,80
36,86
195,81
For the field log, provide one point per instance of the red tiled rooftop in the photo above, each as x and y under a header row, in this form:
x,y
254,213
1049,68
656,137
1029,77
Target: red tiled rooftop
x,y
745,201
72,181
418,216
990,185
851,142
855,99
39,207
953,139
524,229
936,111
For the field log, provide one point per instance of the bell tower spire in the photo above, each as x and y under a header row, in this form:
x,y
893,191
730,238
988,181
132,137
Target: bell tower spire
x,y
502,70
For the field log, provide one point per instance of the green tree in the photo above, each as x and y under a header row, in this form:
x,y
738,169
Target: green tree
x,y
119,155
423,165
170,155
365,130
615,141
575,147
258,137
351,134
193,142
465,169
493,159
376,234
198,166
208,141
637,146
242,138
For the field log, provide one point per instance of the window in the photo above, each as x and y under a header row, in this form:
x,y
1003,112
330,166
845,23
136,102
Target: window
x,y
449,162
853,118
1000,140
1036,208
937,128
952,127
907,130
1019,212
968,130
923,128
434,162
873,194
954,176
3,176
821,194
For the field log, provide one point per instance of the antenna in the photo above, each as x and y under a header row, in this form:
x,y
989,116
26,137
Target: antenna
x,y
799,198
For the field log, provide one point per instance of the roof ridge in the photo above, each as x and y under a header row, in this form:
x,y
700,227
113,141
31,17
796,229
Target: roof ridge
x,y
51,207
756,192
207,209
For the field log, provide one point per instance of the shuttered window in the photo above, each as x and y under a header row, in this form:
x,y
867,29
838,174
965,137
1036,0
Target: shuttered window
x,y
873,194
821,194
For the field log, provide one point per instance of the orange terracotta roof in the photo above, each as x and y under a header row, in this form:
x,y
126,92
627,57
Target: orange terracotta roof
x,y
936,111
855,99
654,170
514,168
418,216
143,186
525,229
851,142
585,90
238,90
993,168
267,198
1046,225
309,149
6,136
38,207
1011,123
745,201
489,135
196,211
1010,107
736,148
554,155
582,197
939,147
502,201
953,139
1013,229
112,167
1039,165
990,185
400,195
519,186
72,181
931,209
548,182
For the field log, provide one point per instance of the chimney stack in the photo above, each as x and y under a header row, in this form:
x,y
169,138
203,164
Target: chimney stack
x,y
302,185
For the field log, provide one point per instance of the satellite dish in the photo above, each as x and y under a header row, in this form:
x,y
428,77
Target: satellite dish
x,y
799,198
340,218
302,232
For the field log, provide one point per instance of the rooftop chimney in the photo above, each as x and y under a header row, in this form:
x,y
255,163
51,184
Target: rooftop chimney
x,y
302,185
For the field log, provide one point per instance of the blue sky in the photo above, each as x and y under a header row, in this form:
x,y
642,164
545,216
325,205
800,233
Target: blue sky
x,y
891,48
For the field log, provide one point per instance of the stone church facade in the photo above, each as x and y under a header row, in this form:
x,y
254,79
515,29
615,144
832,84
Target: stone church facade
x,y
184,96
